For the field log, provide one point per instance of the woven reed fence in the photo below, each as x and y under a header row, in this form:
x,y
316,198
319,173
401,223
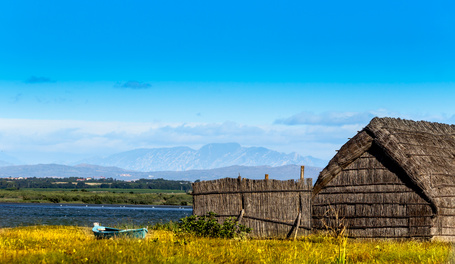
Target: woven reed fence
x,y
272,208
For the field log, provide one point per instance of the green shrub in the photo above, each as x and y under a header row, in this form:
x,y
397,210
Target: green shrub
x,y
54,199
208,226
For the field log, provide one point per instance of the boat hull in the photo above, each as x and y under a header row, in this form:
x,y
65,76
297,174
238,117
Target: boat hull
x,y
101,232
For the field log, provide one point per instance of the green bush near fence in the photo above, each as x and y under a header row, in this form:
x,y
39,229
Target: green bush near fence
x,y
208,226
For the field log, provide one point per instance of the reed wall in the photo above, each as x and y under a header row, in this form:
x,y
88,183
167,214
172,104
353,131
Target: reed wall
x,y
376,200
272,208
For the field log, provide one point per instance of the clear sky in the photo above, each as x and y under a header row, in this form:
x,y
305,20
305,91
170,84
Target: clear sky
x,y
86,78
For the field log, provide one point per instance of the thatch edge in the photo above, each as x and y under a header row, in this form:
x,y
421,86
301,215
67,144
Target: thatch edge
x,y
348,153
374,133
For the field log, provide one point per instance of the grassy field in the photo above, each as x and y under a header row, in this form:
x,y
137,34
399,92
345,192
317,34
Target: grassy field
x,y
48,196
63,244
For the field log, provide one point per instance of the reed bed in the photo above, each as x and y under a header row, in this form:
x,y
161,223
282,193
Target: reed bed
x,y
88,197
64,244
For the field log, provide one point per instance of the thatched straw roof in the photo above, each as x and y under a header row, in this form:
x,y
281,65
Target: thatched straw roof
x,y
424,150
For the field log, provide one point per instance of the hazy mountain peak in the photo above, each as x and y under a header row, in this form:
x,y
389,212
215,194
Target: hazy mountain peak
x,y
210,156
222,147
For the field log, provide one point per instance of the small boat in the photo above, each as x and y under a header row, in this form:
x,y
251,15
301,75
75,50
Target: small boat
x,y
110,232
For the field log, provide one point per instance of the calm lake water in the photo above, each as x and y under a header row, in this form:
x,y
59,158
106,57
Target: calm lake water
x,y
12,215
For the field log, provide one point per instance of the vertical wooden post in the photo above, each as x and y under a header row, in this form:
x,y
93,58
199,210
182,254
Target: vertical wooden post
x,y
302,169
266,177
240,217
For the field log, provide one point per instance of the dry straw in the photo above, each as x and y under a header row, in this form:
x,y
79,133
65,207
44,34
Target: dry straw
x,y
394,179
271,208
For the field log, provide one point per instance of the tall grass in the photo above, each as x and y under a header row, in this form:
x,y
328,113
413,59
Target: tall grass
x,y
65,244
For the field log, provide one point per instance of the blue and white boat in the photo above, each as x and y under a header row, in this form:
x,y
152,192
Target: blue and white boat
x,y
110,232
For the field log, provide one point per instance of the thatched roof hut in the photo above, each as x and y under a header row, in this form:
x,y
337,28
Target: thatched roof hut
x,y
394,179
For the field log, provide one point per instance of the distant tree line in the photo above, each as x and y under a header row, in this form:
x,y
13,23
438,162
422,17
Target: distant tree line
x,y
108,183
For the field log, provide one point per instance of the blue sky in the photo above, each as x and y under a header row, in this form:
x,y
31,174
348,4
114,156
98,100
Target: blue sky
x,y
86,78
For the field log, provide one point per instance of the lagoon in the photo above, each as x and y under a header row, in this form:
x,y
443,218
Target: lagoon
x,y
26,214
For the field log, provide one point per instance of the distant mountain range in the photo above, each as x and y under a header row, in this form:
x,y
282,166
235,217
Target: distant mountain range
x,y
208,157
84,170
211,161
57,170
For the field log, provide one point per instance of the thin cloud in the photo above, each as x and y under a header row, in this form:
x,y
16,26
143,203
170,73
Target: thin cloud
x,y
318,135
38,79
327,118
135,85
94,138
